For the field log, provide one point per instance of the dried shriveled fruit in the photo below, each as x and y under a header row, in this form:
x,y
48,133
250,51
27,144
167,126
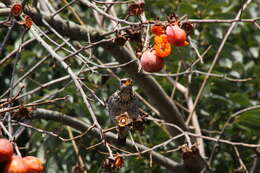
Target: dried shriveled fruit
x,y
112,164
16,9
120,40
123,119
6,150
189,154
134,34
22,113
118,162
109,164
16,165
34,164
78,169
28,22
150,62
138,124
187,26
136,9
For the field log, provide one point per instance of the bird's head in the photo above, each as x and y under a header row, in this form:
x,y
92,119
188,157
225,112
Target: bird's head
x,y
126,83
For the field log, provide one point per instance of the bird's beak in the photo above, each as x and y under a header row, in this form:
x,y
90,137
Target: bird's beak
x,y
128,82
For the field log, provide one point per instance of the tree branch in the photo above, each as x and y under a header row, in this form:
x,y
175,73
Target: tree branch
x,y
150,86
83,126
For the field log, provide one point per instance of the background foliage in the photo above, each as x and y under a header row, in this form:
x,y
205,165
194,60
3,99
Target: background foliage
x,y
221,97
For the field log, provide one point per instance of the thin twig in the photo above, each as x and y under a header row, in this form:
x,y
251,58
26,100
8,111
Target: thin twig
x,y
230,29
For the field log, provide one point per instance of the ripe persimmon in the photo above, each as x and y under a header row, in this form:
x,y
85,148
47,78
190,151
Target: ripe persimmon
x,y
176,36
6,150
150,62
158,29
34,164
15,165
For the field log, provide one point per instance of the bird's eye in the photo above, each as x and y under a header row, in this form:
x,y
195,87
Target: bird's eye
x,y
129,82
123,81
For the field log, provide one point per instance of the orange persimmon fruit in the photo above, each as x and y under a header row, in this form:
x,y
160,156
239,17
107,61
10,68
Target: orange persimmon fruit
x,y
162,46
158,29
6,150
34,164
15,165
150,62
176,36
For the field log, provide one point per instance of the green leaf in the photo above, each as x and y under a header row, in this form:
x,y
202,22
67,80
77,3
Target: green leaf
x,y
250,121
240,98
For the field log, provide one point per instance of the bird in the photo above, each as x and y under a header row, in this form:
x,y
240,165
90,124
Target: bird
x,y
123,108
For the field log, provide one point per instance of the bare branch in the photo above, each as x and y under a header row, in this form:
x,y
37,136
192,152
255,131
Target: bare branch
x,y
83,126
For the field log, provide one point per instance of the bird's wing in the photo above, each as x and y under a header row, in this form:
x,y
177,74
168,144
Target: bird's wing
x,y
112,105
133,108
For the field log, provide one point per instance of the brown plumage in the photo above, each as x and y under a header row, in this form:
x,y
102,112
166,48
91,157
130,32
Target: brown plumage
x,y
123,102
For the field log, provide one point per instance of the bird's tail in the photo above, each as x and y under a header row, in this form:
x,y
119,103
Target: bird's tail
x,y
121,137
121,141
